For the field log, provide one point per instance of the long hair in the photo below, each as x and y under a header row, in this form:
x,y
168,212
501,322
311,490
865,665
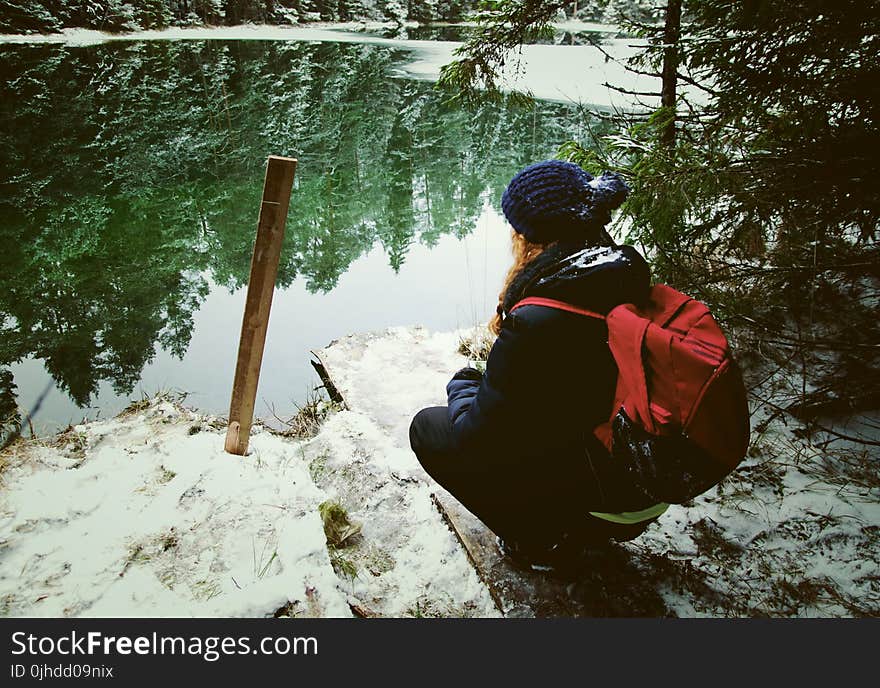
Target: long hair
x,y
524,252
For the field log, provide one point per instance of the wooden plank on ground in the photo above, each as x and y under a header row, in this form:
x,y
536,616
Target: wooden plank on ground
x,y
613,583
517,592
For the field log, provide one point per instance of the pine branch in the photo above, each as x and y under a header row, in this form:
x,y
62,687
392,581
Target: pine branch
x,y
509,25
620,89
696,84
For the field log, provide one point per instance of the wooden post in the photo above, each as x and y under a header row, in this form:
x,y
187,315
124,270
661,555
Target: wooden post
x,y
264,270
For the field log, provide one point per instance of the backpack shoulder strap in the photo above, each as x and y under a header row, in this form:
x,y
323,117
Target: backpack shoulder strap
x,y
627,330
558,305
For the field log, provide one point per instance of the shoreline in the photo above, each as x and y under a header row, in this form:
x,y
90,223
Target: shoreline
x,y
536,71
85,36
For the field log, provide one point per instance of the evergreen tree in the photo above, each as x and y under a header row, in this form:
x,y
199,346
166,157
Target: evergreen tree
x,y
754,181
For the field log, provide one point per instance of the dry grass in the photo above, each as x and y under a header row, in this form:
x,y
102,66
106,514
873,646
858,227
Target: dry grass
x,y
309,417
140,405
476,344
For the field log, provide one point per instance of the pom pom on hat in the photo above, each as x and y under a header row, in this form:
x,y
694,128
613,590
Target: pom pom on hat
x,y
557,200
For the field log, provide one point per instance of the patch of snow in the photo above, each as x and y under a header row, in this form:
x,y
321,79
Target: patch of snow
x,y
408,562
392,374
146,515
155,519
598,256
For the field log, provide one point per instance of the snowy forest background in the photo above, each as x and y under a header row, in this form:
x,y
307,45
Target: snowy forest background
x,y
21,16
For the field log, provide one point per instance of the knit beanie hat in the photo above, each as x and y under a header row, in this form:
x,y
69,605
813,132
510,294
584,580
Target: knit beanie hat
x,y
557,200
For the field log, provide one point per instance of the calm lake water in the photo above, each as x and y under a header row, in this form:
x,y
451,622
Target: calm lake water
x,y
131,179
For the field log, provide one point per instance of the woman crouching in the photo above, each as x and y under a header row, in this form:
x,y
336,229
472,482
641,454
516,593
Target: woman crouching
x,y
515,444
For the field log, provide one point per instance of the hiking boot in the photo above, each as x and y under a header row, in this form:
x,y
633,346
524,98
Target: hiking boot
x,y
564,559
536,560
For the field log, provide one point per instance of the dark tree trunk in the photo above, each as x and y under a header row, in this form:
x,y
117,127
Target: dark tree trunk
x,y
671,36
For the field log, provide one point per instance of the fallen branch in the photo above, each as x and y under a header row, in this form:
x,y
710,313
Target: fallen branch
x,y
332,391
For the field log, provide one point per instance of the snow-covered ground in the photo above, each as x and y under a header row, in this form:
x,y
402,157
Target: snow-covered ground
x,y
145,515
564,73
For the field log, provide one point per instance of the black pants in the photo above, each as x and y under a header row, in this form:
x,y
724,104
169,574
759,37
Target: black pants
x,y
530,500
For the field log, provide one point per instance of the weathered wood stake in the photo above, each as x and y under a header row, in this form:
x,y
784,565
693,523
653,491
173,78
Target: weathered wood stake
x,y
264,270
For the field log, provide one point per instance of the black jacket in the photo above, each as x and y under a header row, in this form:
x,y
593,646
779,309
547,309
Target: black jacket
x,y
550,376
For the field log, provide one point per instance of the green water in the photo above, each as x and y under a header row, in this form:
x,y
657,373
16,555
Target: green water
x,y
131,178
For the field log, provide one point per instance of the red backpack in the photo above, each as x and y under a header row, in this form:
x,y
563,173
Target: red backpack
x,y
678,386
